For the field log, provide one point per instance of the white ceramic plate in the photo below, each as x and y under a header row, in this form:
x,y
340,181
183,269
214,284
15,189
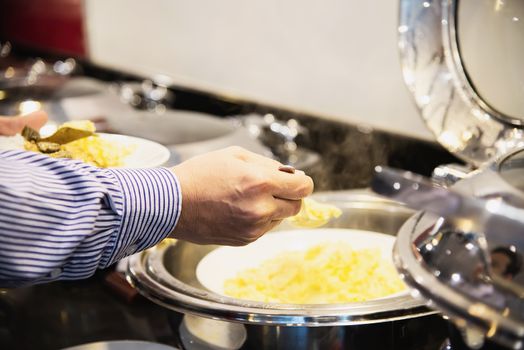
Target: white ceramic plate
x,y
226,262
146,154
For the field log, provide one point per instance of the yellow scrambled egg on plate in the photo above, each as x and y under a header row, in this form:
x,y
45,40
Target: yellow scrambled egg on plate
x,y
94,150
333,272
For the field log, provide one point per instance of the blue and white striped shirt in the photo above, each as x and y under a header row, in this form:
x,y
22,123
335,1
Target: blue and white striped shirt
x,y
63,219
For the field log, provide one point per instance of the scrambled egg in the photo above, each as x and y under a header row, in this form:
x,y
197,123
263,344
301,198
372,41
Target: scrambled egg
x,y
96,151
93,150
327,273
86,125
314,214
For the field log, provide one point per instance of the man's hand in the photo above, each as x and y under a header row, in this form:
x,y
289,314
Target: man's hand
x,y
233,196
10,126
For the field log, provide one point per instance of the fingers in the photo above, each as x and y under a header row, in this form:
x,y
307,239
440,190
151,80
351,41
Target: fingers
x,y
255,234
291,186
287,185
241,237
10,126
273,224
286,208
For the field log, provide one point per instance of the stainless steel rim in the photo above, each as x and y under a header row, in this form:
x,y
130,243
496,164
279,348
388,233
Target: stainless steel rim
x,y
148,275
464,311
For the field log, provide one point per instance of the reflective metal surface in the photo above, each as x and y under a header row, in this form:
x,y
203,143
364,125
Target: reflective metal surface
x,y
281,139
450,105
166,275
37,78
511,169
429,257
464,254
150,94
491,222
490,35
448,174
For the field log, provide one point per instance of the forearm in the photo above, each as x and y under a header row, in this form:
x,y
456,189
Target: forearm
x,y
62,219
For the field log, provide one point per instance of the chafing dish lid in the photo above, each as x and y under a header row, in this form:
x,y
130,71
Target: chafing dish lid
x,y
466,81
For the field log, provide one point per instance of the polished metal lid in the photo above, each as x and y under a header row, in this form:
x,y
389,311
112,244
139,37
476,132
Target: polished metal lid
x,y
462,61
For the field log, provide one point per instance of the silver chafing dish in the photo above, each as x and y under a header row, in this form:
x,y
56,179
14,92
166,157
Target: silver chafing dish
x,y
463,252
166,275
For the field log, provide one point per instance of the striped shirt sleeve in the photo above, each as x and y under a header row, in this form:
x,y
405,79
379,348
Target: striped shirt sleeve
x,y
64,219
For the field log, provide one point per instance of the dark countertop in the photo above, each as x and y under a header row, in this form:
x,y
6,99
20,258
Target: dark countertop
x,y
63,314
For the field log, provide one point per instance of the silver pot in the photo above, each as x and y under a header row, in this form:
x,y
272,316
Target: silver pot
x,y
166,275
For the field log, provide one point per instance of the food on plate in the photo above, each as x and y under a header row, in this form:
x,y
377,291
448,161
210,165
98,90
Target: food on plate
x,y
332,272
314,214
77,140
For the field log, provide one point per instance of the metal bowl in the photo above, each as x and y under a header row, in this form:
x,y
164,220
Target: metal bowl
x,y
166,275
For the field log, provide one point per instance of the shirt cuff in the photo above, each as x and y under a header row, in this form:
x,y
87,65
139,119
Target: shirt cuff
x,y
151,209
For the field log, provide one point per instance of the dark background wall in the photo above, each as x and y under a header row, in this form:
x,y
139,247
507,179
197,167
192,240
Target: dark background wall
x,y
54,26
